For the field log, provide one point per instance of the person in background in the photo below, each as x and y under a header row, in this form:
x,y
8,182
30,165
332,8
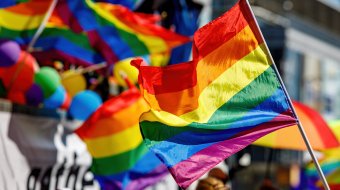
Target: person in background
x,y
216,180
267,185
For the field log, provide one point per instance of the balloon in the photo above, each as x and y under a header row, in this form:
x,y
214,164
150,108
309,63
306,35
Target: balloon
x,y
129,70
34,95
48,79
84,104
16,97
73,82
19,77
56,99
9,53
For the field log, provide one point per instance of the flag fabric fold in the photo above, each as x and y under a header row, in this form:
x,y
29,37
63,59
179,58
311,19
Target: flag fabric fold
x,y
319,133
112,135
117,32
57,41
205,110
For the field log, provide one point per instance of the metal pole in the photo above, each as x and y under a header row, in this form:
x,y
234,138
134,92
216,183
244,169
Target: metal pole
x,y
301,129
92,68
42,26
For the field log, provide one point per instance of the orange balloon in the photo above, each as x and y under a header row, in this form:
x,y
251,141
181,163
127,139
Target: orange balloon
x,y
20,76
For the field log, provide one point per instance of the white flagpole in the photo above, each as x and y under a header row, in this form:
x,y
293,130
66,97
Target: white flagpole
x,y
42,26
301,129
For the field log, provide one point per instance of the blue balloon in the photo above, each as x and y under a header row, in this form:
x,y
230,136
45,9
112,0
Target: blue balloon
x,y
56,99
84,104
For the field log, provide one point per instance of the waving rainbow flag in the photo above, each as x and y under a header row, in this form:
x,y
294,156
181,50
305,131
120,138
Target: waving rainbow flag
x,y
57,42
205,110
120,158
115,31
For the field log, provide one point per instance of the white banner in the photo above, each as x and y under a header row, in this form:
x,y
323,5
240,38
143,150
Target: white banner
x,y
38,153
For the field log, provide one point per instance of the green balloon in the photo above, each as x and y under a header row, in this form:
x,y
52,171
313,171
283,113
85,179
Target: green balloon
x,y
48,79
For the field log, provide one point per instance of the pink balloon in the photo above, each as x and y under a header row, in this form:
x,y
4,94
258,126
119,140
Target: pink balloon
x,y
9,53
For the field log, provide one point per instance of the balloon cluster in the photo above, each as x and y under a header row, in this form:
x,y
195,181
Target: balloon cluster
x,y
23,82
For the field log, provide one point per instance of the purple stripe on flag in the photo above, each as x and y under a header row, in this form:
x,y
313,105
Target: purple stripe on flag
x,y
191,169
147,179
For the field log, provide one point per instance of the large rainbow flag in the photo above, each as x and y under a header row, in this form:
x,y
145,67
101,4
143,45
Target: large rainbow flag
x,y
115,31
57,42
205,110
120,158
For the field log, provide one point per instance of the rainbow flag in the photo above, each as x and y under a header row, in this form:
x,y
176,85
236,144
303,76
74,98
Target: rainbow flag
x,y
205,110
57,42
74,48
115,31
319,133
328,165
333,180
329,162
64,45
120,158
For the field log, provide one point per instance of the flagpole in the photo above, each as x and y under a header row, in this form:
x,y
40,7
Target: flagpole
x,y
301,129
42,26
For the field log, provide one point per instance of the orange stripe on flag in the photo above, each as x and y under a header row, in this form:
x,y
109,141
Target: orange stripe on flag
x,y
180,102
30,8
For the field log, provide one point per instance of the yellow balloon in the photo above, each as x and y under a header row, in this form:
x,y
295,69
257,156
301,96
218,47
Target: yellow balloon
x,y
73,82
125,67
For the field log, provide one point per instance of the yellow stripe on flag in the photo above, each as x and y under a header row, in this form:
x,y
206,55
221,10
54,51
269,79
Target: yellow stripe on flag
x,y
114,144
222,90
19,22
